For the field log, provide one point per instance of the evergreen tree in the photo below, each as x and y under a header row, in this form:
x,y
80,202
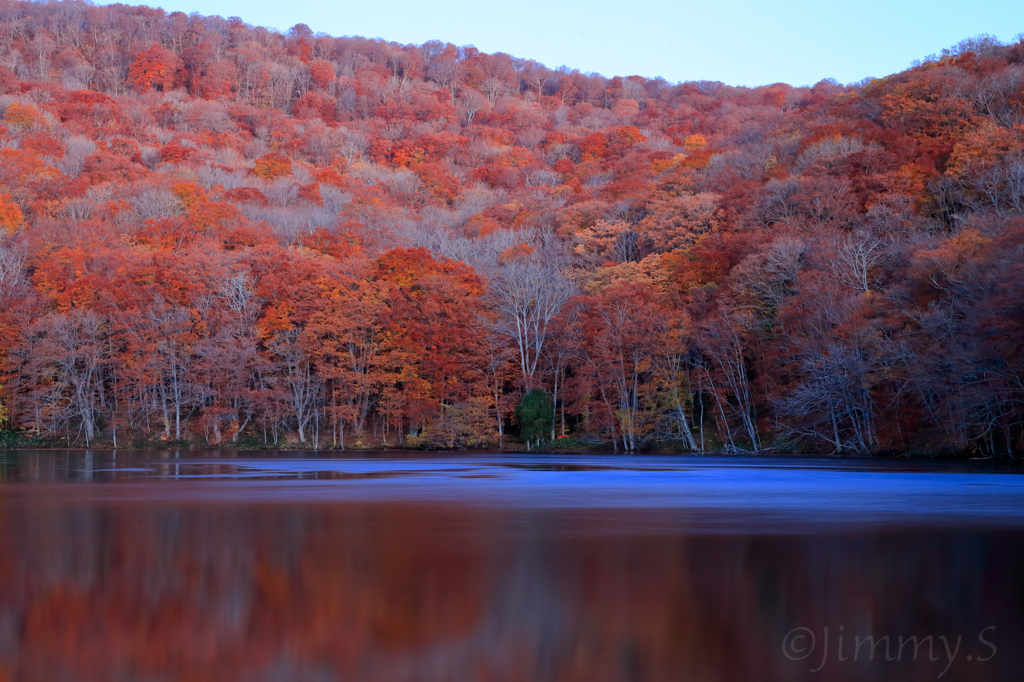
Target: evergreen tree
x,y
535,416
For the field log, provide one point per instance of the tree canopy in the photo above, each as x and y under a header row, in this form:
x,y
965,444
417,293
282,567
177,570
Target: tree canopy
x,y
211,230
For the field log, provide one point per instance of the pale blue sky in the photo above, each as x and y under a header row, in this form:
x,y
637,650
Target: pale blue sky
x,y
739,42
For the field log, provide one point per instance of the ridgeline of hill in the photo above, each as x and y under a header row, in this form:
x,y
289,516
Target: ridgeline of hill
x,y
213,231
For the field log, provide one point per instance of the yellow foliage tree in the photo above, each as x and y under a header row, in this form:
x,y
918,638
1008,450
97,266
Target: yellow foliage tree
x,y
272,166
188,193
22,115
695,142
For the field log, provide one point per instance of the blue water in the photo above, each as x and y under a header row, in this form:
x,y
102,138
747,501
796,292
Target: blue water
x,y
770,494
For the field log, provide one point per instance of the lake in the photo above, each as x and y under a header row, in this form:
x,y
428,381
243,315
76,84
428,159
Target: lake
x,y
146,566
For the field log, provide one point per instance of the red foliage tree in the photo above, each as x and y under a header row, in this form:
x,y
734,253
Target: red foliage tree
x,y
156,69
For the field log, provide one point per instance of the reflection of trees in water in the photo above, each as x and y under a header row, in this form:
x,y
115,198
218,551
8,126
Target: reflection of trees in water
x,y
396,593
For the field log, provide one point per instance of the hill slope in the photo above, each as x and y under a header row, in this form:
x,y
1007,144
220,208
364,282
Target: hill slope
x,y
211,230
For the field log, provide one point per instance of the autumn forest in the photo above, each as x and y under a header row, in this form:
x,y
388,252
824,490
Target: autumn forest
x,y
215,233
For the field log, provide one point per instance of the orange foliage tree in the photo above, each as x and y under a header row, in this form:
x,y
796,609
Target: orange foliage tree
x,y
156,68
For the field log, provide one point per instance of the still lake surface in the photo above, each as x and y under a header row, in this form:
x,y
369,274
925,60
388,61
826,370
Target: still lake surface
x,y
159,566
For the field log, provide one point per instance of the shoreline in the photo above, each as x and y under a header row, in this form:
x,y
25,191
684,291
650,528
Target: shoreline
x,y
512,449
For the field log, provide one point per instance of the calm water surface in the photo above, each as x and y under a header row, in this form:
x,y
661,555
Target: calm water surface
x,y
147,566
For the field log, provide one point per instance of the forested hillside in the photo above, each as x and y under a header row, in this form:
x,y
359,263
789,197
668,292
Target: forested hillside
x,y
216,232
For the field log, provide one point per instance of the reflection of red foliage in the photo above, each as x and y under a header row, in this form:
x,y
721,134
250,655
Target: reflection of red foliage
x,y
432,589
